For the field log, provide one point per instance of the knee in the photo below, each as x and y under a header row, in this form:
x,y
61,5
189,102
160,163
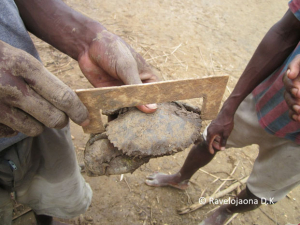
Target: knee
x,y
64,203
78,203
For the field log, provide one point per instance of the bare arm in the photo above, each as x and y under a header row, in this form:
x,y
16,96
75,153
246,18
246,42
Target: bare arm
x,y
104,58
31,100
274,48
59,25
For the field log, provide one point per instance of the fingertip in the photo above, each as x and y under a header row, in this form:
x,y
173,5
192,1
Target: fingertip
x,y
294,91
291,74
34,130
85,123
149,108
296,108
295,117
288,73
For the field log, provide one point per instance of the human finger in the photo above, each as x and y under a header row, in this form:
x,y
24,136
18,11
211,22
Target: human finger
x,y
294,106
294,68
42,110
127,70
37,77
295,117
223,142
290,100
32,103
291,86
61,96
147,73
288,83
213,144
149,108
20,121
6,131
111,62
292,73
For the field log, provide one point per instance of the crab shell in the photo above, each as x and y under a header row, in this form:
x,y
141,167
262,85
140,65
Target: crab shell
x,y
171,128
102,158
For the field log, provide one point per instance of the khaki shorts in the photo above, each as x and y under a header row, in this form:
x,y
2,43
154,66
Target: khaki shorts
x,y
276,170
44,174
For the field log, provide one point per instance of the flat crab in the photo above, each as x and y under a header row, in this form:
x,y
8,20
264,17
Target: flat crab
x,y
133,137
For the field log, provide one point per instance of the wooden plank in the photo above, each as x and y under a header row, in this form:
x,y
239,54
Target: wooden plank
x,y
211,89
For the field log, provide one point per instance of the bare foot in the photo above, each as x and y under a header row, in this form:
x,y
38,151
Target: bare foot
x,y
219,217
160,179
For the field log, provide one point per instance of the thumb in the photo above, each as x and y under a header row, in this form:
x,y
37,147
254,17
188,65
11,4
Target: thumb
x,y
217,143
223,143
213,144
294,68
149,108
127,70
126,66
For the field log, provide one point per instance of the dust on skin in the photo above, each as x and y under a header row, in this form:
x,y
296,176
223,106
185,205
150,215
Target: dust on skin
x,y
7,131
117,48
13,116
118,51
216,33
17,61
31,95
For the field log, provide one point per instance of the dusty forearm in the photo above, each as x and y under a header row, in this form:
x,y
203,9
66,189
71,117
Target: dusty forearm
x,y
273,50
59,25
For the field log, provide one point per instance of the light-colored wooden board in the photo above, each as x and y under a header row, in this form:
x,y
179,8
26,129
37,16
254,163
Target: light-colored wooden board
x,y
211,89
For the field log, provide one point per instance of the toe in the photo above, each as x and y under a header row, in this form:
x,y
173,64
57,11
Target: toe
x,y
154,175
151,182
151,177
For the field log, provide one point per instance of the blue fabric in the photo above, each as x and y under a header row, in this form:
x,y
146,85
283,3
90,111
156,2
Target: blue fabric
x,y
12,28
13,32
6,142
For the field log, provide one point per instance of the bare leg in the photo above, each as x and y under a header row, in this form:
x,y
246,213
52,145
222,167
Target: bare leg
x,y
198,157
222,214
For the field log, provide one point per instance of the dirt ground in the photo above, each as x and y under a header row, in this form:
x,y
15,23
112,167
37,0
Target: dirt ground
x,y
181,39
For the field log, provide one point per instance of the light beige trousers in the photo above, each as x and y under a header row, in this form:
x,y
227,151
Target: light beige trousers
x,y
44,174
276,170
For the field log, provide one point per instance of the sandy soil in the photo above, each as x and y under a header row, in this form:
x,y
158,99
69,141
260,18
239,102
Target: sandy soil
x,y
181,39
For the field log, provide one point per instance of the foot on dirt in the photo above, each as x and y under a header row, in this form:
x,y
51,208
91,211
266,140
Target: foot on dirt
x,y
160,179
219,217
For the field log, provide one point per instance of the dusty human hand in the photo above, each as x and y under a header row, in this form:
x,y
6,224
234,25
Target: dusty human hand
x,y
219,131
110,61
31,97
291,81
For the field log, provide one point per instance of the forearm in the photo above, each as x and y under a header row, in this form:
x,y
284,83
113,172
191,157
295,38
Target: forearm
x,y
59,25
273,50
